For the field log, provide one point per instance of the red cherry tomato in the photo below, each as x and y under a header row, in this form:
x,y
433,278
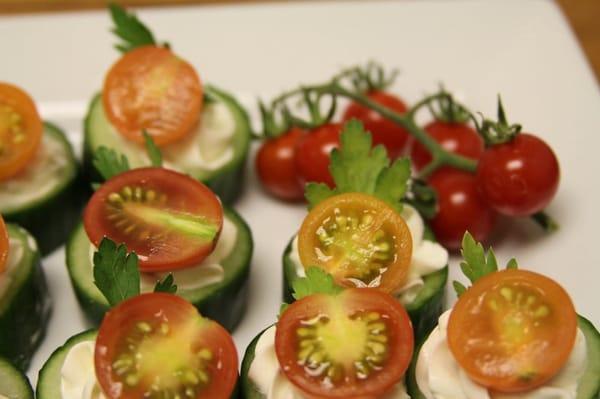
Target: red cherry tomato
x,y
520,177
384,131
275,164
460,208
458,138
312,154
157,345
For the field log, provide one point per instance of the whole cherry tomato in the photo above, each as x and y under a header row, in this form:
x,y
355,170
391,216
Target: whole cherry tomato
x,y
312,154
384,131
460,208
275,164
520,177
458,138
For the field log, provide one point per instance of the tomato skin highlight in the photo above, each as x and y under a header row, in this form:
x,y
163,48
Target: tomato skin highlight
x,y
121,324
4,245
20,130
276,166
312,154
460,208
176,196
520,177
458,138
394,137
348,304
528,323
151,88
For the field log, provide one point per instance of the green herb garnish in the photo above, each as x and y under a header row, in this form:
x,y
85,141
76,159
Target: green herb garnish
x,y
357,167
152,150
129,29
166,285
109,163
317,281
116,272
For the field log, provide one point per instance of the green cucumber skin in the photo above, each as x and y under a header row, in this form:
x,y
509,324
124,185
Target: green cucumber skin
x,y
51,219
423,312
13,383
25,314
225,302
589,385
227,183
247,388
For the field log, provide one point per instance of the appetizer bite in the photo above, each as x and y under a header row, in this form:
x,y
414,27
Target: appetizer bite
x,y
333,342
152,345
201,130
365,235
24,302
512,334
38,171
176,225
13,383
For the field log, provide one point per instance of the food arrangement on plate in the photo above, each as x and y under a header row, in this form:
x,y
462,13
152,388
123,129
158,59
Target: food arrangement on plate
x,y
159,262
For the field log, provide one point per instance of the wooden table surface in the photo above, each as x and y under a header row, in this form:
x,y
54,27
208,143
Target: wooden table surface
x,y
584,15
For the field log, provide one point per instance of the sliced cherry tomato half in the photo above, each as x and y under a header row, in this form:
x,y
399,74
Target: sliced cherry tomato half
x,y
20,130
358,239
513,330
167,218
157,345
357,344
4,245
151,88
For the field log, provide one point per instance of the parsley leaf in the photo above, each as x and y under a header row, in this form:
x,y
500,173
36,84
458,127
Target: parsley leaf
x,y
317,281
129,29
109,163
152,150
116,272
357,167
166,285
477,263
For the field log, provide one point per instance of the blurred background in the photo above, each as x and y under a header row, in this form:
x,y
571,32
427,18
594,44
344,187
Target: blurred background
x,y
583,15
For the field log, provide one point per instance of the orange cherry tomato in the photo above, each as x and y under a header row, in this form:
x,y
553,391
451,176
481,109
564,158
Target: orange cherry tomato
x,y
3,245
157,345
359,240
20,130
151,88
357,344
513,330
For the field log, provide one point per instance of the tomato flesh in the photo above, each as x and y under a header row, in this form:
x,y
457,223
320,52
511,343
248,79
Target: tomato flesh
x,y
168,219
20,130
358,239
4,245
394,137
513,330
157,345
150,88
356,344
312,154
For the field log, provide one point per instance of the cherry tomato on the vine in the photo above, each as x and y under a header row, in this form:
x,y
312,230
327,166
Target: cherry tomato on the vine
x,y
276,168
460,208
520,177
458,138
312,154
384,131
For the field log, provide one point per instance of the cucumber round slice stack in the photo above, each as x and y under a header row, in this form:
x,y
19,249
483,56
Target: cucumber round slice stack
x,y
225,180
223,301
47,197
247,386
49,380
24,301
13,384
424,310
589,383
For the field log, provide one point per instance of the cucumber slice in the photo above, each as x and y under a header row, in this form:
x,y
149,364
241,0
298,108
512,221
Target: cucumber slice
x,y
589,384
423,311
224,301
247,387
225,181
13,383
49,380
49,207
24,302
